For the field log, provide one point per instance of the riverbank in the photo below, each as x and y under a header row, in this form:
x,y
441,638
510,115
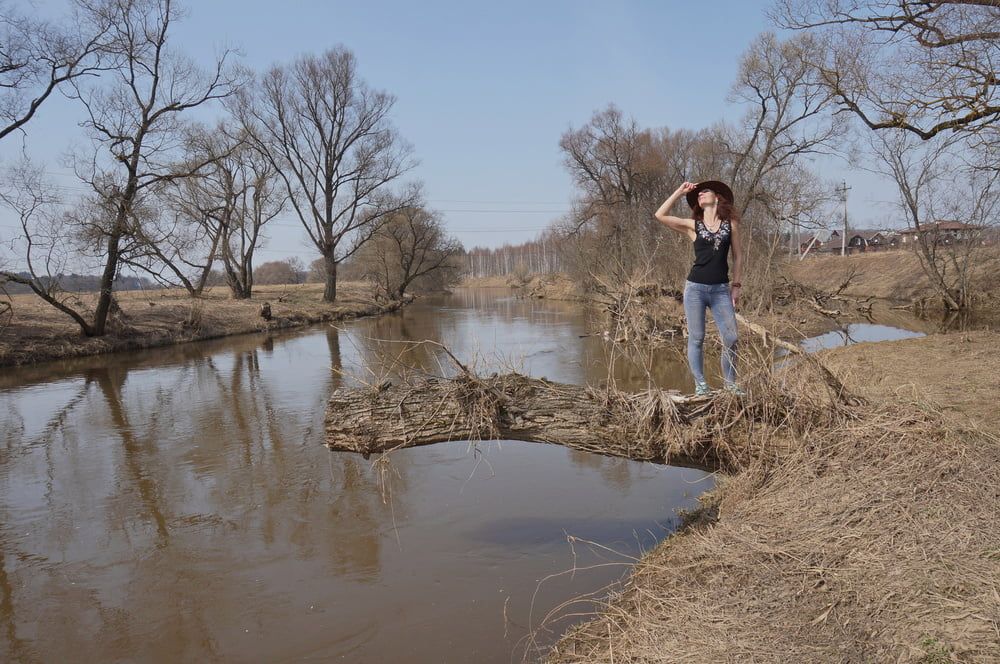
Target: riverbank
x,y
892,275
882,281
39,333
889,277
876,539
660,317
555,286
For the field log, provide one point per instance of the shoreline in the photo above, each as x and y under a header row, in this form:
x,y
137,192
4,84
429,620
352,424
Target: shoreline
x,y
799,320
38,334
877,539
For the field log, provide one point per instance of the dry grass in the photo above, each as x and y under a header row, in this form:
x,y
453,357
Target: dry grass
x,y
37,332
555,286
958,373
893,275
875,537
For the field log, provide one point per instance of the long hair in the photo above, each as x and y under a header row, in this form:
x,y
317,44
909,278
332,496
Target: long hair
x,y
724,210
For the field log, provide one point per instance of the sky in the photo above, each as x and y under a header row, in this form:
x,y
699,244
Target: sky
x,y
484,91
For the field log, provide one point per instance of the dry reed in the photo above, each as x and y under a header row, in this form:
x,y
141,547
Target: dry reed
x,y
874,536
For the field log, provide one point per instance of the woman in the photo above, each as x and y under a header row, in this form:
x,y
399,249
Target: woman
x,y
714,230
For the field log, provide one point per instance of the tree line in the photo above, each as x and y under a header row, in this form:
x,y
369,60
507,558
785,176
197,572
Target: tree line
x,y
174,198
539,256
905,89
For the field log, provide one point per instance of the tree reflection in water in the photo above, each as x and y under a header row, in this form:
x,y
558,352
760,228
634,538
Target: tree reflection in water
x,y
179,504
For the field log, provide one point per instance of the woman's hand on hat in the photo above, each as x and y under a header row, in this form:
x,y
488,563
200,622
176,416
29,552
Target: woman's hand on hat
x,y
688,186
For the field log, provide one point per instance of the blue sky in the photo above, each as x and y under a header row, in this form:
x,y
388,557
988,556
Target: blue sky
x,y
484,90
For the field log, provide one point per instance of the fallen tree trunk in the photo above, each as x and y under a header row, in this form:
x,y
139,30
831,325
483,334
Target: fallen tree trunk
x,y
654,425
720,431
840,393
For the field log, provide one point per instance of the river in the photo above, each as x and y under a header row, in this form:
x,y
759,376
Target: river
x,y
179,505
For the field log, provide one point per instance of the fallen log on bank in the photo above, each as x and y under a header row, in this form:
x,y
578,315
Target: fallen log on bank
x,y
720,431
511,407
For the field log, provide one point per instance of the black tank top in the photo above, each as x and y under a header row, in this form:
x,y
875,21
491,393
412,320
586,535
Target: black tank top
x,y
711,254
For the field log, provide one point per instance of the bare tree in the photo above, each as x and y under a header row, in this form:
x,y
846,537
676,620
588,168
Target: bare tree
x,y
921,66
26,192
786,119
619,170
179,239
410,248
220,213
135,125
38,56
622,171
936,183
331,140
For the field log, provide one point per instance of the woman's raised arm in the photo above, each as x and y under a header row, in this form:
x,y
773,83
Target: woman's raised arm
x,y
679,224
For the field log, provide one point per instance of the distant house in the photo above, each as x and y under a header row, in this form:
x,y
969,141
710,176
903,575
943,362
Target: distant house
x,y
858,241
821,242
877,242
857,244
944,232
832,244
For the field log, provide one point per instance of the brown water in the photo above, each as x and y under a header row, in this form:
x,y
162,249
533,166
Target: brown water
x,y
179,505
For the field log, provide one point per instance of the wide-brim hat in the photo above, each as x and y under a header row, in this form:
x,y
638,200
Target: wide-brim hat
x,y
720,189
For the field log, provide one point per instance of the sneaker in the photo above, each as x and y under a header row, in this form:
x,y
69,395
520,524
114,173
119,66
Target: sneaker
x,y
733,388
701,389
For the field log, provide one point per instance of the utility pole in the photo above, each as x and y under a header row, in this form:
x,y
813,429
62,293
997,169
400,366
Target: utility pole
x,y
842,190
793,235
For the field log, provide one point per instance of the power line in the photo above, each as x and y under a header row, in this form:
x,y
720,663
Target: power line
x,y
84,188
478,202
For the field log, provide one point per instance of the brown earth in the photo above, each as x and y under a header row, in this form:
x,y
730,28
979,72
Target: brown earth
x,y
956,374
37,332
878,540
555,286
485,282
893,275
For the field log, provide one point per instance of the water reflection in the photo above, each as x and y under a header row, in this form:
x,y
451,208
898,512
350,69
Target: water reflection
x,y
856,333
178,504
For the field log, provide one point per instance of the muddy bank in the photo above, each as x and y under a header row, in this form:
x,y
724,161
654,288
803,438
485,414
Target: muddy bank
x,y
38,333
876,539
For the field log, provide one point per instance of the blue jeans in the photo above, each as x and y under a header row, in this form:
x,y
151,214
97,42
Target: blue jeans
x,y
697,298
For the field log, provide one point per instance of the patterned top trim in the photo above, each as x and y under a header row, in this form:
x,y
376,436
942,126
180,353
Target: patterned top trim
x,y
715,238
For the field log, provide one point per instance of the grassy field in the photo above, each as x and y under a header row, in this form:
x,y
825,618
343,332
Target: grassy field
x,y
37,332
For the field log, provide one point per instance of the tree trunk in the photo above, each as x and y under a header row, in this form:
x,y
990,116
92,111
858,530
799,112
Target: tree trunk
x,y
239,291
239,281
330,290
107,286
207,271
657,426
